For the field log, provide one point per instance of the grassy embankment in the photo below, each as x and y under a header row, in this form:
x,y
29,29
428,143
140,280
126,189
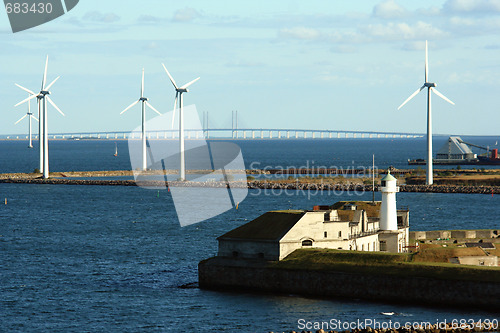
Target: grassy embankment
x,y
473,177
377,263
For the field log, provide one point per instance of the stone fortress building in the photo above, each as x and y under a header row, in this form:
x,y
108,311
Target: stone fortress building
x,y
356,225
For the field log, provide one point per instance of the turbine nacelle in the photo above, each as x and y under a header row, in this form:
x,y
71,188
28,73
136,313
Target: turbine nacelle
x,y
43,93
430,85
182,90
142,98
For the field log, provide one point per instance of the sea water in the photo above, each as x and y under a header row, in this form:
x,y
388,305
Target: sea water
x,y
111,258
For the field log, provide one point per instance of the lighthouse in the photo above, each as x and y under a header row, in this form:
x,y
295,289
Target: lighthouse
x,y
388,213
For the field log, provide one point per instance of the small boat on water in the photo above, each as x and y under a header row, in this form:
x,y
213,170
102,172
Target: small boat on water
x,y
116,150
387,313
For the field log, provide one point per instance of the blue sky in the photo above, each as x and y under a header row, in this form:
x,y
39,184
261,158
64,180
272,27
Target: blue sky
x,y
284,64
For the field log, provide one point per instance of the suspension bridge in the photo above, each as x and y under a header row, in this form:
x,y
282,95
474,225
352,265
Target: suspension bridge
x,y
228,133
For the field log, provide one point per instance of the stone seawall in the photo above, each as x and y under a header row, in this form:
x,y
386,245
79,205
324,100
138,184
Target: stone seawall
x,y
456,234
261,185
227,274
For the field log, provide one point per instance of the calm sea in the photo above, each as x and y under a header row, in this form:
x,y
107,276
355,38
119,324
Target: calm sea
x,y
98,258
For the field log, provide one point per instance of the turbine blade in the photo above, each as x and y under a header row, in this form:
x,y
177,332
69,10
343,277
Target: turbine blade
x,y
25,100
411,96
426,63
189,83
142,84
20,119
45,73
25,89
175,106
50,85
131,105
170,76
152,108
32,116
54,105
442,96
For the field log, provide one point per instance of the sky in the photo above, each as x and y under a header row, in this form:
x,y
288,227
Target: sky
x,y
317,64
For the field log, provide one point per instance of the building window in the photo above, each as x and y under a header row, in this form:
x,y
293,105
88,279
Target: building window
x,y
235,254
326,234
340,234
383,246
307,242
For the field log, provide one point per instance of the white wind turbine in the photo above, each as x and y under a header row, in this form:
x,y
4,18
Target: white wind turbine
x,y
145,102
178,95
431,87
29,115
43,115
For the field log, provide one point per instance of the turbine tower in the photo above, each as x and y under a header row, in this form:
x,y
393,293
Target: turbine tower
x,y
29,115
43,115
178,95
145,102
431,87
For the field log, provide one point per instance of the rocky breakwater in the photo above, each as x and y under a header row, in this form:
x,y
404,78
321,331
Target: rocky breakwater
x,y
62,181
276,185
66,179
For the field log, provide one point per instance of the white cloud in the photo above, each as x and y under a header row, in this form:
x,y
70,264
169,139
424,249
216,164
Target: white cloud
x,y
245,63
344,49
300,33
185,15
389,9
461,21
96,16
404,31
431,11
472,6
150,19
414,46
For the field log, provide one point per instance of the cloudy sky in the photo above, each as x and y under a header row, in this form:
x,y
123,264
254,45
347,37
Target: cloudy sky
x,y
318,64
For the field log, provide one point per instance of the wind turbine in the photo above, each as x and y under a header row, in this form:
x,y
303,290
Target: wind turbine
x,y
43,115
145,102
29,115
431,87
178,95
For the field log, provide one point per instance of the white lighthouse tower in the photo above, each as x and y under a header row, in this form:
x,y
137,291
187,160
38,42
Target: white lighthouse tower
x,y
388,213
